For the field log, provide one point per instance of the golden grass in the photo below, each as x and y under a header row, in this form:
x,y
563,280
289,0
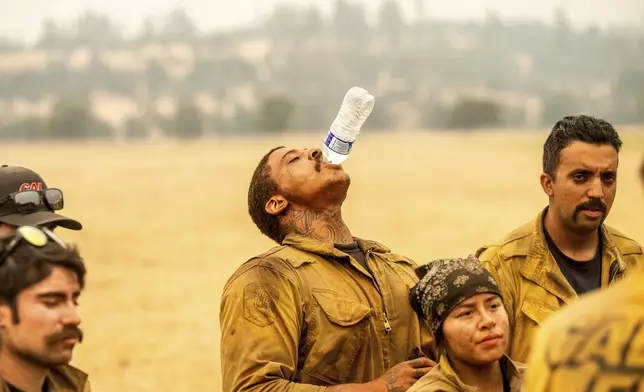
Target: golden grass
x,y
166,225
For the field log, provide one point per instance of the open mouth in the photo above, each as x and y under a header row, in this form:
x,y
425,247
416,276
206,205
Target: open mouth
x,y
323,162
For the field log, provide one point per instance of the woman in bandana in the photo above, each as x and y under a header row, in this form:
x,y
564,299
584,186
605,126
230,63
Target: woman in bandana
x,y
462,304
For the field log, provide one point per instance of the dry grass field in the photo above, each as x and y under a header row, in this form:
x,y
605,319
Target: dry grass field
x,y
166,225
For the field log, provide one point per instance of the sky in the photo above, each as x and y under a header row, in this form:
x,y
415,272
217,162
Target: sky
x,y
22,19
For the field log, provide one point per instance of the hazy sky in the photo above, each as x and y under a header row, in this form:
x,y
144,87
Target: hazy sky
x,y
22,19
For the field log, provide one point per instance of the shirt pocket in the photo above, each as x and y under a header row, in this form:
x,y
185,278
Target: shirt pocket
x,y
337,331
536,311
533,314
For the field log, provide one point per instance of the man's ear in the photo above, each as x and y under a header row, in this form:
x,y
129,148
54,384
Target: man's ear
x,y
276,205
546,184
5,315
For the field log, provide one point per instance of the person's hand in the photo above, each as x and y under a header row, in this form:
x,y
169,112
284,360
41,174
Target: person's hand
x,y
402,376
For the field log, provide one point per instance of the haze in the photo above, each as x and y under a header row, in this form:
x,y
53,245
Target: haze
x,y
21,19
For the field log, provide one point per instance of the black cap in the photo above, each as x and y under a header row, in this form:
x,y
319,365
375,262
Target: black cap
x,y
15,179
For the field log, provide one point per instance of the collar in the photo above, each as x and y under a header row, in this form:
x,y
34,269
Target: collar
x,y
513,370
541,267
323,248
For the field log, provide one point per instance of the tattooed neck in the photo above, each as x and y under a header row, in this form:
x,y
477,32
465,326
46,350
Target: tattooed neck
x,y
326,226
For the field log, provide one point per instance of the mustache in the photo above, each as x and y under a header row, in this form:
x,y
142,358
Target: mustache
x,y
592,204
67,333
318,163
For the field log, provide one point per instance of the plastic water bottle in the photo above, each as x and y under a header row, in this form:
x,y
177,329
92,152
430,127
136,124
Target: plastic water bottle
x,y
354,111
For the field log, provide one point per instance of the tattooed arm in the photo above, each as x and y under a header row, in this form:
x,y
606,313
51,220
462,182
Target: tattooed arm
x,y
397,379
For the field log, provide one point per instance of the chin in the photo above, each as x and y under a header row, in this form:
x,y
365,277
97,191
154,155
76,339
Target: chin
x,y
62,357
486,358
589,227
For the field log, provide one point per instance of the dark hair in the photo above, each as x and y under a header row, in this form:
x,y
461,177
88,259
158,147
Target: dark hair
x,y
576,128
262,188
29,265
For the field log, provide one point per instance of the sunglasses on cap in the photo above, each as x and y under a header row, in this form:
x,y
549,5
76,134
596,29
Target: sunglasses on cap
x,y
26,201
34,236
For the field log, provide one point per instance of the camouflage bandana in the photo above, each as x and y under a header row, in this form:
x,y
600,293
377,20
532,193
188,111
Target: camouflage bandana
x,y
445,283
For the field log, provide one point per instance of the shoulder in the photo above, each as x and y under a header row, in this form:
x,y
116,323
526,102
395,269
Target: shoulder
x,y
514,244
434,381
400,259
276,264
624,243
385,253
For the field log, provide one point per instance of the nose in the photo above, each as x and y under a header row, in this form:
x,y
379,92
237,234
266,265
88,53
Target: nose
x,y
70,316
487,322
596,189
315,153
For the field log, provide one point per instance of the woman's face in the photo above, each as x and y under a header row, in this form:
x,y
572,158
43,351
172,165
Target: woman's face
x,y
476,331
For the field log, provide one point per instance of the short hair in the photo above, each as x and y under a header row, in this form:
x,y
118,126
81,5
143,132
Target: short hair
x,y
262,187
576,128
28,265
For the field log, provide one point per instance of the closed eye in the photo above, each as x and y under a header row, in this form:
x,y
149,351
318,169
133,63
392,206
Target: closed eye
x,y
294,159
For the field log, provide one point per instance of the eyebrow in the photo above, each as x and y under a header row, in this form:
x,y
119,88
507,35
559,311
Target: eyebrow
x,y
288,152
464,305
588,171
473,305
56,295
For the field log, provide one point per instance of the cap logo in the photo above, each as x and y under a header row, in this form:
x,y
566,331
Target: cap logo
x,y
31,186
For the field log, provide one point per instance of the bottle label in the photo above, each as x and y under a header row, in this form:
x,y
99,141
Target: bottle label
x,y
337,145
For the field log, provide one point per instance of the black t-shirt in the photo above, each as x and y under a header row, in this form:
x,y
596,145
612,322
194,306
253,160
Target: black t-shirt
x,y
45,388
583,276
506,379
354,251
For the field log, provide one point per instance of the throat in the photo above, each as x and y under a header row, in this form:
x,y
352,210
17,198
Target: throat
x,y
325,226
487,378
21,374
577,246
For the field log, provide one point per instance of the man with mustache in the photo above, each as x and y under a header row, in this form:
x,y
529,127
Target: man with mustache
x,y
324,310
41,279
567,250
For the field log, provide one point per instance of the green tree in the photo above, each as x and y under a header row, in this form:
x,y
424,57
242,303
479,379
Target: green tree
x,y
276,114
70,119
30,128
391,22
470,113
557,105
135,128
188,122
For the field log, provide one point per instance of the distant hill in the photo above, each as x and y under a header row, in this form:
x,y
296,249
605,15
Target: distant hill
x,y
424,75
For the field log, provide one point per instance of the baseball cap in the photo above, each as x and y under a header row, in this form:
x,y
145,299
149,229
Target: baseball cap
x,y
16,179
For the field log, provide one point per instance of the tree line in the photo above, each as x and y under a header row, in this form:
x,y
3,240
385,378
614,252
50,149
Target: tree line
x,y
424,73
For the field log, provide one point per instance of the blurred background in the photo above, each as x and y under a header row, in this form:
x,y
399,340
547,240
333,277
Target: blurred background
x,y
143,69
151,116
